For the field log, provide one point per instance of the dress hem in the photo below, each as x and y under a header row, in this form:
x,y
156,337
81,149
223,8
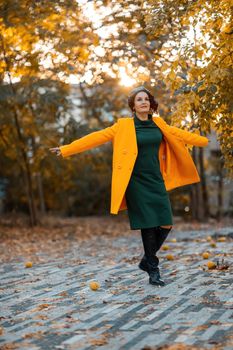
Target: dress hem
x,y
139,228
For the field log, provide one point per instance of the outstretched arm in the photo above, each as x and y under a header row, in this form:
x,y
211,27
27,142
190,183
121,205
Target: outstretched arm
x,y
188,137
89,141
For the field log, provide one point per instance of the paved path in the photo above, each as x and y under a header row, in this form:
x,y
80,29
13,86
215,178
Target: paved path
x,y
50,306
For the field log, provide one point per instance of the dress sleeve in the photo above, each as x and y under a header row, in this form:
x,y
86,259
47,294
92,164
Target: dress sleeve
x,y
89,141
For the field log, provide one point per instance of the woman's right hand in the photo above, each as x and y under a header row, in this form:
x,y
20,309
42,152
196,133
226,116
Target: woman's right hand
x,y
56,150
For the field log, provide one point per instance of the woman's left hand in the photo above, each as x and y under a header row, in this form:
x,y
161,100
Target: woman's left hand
x,y
56,150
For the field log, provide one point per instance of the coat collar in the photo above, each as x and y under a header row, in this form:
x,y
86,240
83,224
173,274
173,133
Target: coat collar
x,y
157,120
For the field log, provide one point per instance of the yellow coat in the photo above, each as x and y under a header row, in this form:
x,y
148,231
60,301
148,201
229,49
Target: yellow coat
x,y
176,164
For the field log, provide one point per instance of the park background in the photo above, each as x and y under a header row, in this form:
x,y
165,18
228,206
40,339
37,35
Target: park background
x,y
66,69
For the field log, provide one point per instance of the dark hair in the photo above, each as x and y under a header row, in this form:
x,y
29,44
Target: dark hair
x,y
133,93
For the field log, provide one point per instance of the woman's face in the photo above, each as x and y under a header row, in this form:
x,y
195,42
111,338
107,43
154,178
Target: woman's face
x,y
142,102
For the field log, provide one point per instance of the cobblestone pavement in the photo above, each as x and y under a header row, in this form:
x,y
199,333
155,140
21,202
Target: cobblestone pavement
x,y
51,306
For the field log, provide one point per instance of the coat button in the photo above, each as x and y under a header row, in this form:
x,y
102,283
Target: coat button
x,y
119,167
124,152
130,168
135,153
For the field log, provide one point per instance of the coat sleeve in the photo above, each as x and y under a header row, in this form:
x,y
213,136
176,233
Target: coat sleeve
x,y
89,141
188,137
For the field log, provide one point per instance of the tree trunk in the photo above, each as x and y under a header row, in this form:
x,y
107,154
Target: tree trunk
x,y
196,195
204,191
29,188
26,170
219,213
41,193
193,202
21,143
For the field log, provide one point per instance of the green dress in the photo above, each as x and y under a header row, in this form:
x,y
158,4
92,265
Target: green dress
x,y
146,196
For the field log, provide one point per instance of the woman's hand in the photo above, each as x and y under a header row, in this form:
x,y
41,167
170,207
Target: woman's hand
x,y
56,150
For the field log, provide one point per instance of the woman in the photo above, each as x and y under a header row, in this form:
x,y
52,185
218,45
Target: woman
x,y
149,158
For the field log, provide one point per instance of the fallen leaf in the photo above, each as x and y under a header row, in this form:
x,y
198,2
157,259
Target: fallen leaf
x,y
94,285
37,335
28,264
63,294
101,341
165,247
211,265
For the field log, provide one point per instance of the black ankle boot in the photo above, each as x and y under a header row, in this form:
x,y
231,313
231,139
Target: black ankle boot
x,y
150,261
155,241
154,273
161,235
143,263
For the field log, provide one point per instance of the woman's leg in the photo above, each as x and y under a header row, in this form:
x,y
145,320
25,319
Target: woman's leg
x,y
143,263
150,241
163,232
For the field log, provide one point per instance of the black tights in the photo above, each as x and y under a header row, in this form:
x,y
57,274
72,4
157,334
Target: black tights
x,y
153,239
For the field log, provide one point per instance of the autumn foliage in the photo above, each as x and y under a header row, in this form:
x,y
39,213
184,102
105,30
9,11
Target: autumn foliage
x,y
181,49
